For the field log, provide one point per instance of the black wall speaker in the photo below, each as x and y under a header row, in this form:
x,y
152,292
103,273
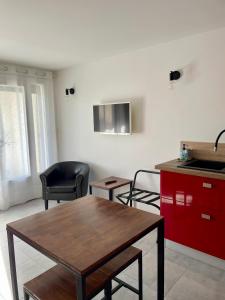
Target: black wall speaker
x,y
70,91
175,75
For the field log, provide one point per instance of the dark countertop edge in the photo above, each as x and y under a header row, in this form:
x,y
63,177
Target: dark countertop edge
x,y
172,166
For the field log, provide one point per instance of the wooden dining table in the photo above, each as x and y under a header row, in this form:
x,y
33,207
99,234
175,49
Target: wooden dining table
x,y
84,234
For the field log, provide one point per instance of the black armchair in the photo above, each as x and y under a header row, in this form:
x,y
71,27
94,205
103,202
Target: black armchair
x,y
65,181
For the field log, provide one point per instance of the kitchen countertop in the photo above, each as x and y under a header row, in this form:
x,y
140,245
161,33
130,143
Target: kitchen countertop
x,y
172,166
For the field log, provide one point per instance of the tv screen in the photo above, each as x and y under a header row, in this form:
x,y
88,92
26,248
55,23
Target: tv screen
x,y
112,118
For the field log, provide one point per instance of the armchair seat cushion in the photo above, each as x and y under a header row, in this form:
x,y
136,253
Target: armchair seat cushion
x,y
62,186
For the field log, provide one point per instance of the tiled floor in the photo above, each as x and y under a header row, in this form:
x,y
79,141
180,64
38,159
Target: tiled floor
x,y
186,278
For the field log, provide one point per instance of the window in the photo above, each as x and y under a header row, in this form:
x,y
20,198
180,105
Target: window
x,y
14,151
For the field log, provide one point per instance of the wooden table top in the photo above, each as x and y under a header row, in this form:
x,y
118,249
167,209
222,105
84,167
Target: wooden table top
x,y
101,183
85,233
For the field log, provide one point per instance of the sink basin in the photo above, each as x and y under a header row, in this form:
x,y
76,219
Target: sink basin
x,y
205,165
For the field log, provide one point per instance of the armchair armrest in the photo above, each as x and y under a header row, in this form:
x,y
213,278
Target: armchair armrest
x,y
81,181
46,174
78,184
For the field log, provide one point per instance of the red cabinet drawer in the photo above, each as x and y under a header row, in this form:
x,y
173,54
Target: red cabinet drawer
x,y
209,195
211,235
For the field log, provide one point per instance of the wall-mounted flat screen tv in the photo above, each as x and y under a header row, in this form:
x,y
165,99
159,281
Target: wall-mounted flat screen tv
x,y
112,118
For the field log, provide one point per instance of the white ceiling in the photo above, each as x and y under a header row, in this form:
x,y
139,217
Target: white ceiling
x,y
59,33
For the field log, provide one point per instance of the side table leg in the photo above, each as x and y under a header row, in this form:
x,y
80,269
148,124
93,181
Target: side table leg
x,y
160,284
90,189
12,263
131,185
111,195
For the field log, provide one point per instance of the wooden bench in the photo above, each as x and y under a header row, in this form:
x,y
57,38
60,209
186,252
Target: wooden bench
x,y
60,284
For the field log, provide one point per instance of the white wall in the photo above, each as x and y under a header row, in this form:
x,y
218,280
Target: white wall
x,y
193,110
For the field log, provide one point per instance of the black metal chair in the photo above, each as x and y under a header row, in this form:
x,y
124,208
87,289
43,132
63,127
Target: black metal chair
x,y
139,195
65,181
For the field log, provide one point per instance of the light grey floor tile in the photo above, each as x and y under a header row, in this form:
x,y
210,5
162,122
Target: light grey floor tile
x,y
147,243
194,265
126,294
172,272
197,287
185,278
223,278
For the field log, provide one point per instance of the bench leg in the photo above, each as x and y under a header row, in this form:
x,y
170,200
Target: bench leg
x,y
140,277
108,291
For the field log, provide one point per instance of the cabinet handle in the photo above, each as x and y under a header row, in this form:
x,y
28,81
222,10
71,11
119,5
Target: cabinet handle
x,y
207,185
206,217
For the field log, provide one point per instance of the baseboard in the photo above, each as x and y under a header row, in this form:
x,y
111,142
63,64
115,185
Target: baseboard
x,y
203,257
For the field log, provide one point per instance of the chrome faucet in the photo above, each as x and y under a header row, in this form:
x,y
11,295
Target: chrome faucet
x,y
217,140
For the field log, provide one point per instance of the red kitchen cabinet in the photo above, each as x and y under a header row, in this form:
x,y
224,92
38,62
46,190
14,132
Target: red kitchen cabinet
x,y
194,211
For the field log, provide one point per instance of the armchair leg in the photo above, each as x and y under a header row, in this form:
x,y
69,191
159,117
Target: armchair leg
x,y
46,204
58,201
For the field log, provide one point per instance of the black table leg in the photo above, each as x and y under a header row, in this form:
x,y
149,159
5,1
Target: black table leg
x,y
81,288
108,291
140,278
111,195
12,263
160,284
90,189
26,296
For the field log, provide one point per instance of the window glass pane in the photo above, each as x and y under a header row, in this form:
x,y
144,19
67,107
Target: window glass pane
x,y
40,128
14,153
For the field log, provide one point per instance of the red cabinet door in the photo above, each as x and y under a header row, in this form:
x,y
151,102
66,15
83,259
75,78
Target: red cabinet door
x,y
178,206
194,211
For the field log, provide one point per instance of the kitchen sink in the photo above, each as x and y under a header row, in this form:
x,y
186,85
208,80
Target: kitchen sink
x,y
204,165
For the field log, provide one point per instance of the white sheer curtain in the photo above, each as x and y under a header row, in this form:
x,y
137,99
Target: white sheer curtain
x,y
27,132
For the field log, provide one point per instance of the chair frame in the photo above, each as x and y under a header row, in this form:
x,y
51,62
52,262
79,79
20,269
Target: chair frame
x,y
130,196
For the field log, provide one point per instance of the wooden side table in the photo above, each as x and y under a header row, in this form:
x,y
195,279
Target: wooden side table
x,y
101,184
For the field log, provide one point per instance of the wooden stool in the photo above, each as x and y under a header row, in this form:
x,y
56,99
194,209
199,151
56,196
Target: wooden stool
x,y
60,284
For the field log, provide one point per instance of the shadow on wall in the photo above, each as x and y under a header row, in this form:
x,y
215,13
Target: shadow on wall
x,y
138,115
137,111
96,172
190,72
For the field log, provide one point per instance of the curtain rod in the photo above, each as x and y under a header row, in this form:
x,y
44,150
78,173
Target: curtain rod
x,y
26,71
